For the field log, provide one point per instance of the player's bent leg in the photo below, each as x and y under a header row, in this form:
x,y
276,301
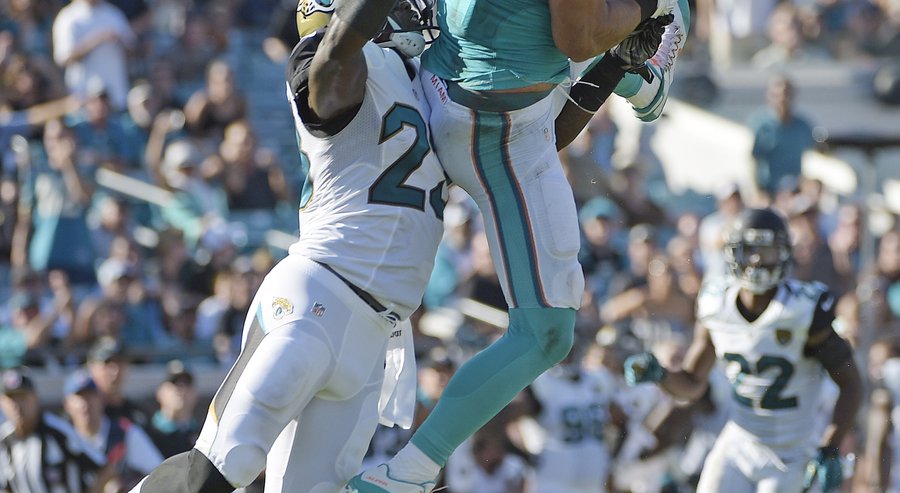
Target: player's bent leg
x,y
493,377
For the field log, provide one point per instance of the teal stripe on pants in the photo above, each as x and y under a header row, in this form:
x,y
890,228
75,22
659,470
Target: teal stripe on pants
x,y
494,168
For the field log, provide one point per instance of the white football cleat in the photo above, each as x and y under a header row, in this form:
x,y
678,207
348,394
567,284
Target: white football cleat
x,y
650,100
379,480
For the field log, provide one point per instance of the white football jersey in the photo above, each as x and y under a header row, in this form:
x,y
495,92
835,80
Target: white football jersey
x,y
372,204
574,414
775,387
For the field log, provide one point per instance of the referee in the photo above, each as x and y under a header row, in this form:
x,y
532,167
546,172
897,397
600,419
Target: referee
x,y
40,452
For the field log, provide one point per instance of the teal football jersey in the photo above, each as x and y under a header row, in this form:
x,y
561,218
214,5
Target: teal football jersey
x,y
495,44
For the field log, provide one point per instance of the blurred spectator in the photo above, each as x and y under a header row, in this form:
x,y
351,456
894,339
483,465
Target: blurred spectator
x,y
51,229
844,244
108,364
90,40
780,136
103,133
28,81
217,105
27,435
887,282
197,203
194,50
110,219
787,42
173,427
600,257
735,28
813,260
658,311
129,451
30,21
628,190
136,316
642,247
250,176
482,284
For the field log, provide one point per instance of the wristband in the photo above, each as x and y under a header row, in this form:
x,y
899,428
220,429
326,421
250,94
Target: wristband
x,y
590,91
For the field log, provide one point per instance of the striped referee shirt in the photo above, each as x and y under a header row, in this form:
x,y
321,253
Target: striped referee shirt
x,y
53,459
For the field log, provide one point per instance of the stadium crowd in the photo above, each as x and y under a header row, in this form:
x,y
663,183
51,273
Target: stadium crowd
x,y
133,179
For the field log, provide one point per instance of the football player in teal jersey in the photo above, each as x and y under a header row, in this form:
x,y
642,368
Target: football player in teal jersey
x,y
494,82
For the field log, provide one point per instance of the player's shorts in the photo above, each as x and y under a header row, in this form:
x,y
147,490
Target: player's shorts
x,y
305,387
507,162
740,464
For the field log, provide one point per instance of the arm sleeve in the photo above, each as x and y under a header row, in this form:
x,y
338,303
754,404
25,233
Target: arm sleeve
x,y
831,350
298,80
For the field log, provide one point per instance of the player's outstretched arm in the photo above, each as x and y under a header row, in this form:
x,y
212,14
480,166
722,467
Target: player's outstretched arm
x,y
337,75
586,28
686,383
691,381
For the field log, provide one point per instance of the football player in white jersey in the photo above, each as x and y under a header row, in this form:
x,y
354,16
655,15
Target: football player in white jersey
x,y
324,338
775,337
574,406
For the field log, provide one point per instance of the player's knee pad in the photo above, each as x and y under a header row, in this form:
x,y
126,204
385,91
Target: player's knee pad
x,y
243,463
553,329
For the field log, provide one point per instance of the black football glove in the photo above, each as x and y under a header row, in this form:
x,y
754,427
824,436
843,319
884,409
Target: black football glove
x,y
641,44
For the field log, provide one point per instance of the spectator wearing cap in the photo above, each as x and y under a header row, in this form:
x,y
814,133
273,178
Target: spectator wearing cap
x,y
128,450
30,434
173,427
177,166
108,365
600,256
90,42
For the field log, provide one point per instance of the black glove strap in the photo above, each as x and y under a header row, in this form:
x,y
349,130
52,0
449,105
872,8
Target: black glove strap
x,y
591,89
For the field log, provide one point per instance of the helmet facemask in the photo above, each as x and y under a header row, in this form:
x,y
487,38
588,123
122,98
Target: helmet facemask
x,y
408,28
758,258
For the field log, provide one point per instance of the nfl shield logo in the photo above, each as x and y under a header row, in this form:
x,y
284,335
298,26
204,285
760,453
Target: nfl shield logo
x,y
783,336
318,310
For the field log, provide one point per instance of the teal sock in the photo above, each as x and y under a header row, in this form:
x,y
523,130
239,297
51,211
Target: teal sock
x,y
629,85
537,339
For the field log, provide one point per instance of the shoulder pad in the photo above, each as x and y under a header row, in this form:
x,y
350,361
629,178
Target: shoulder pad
x,y
711,297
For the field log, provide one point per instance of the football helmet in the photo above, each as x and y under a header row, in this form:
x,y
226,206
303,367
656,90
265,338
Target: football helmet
x,y
409,27
758,249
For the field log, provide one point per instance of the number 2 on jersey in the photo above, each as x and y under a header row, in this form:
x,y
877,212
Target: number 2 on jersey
x,y
390,188
772,398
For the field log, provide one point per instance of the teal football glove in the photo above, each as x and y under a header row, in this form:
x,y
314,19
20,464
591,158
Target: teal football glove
x,y
827,467
643,367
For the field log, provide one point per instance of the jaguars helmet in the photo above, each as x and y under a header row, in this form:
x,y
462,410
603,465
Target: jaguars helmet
x,y
409,27
758,249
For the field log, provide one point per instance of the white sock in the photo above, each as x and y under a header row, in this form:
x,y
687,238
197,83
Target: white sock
x,y
412,465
